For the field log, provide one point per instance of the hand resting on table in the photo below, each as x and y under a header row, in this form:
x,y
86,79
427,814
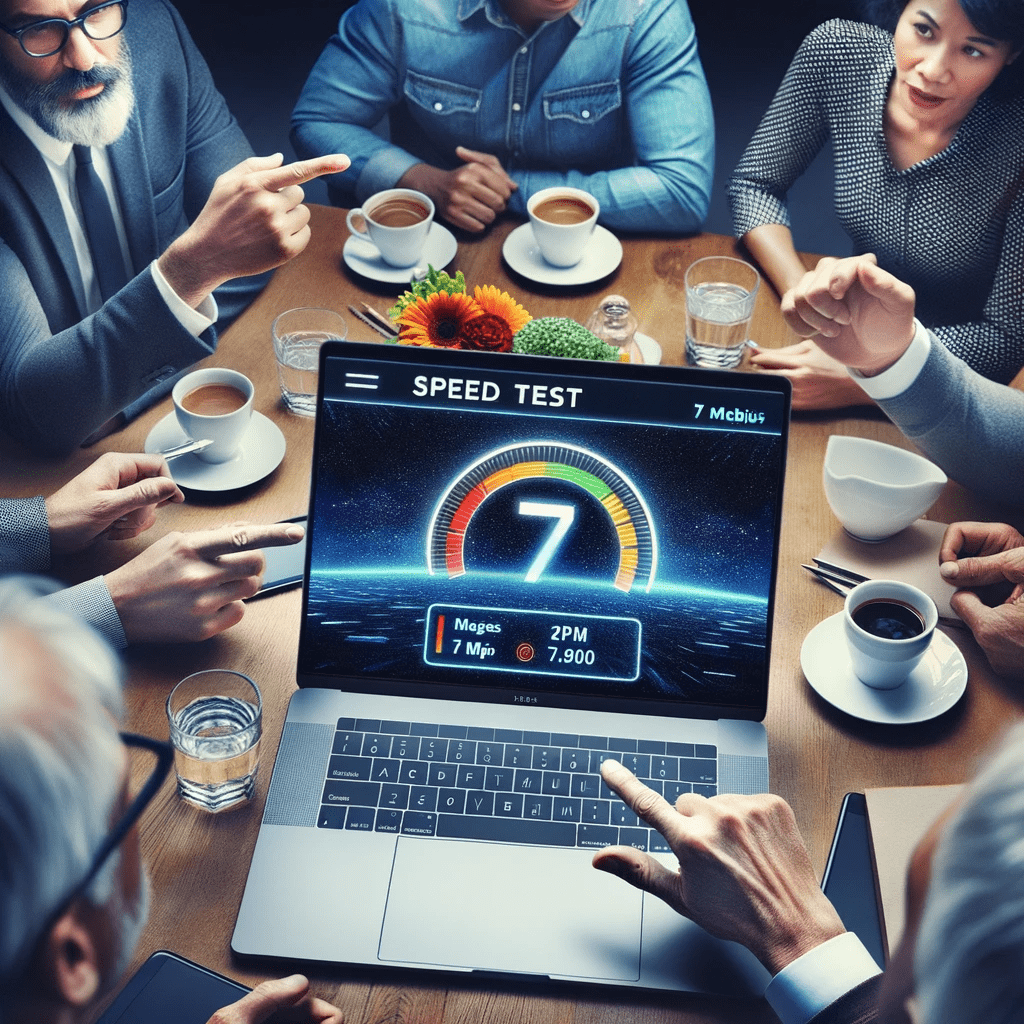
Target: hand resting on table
x,y
277,1001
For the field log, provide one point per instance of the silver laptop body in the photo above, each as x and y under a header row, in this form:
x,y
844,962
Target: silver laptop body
x,y
516,567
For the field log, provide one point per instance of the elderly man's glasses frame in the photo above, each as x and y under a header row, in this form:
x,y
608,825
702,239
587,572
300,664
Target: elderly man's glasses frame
x,y
97,23
164,753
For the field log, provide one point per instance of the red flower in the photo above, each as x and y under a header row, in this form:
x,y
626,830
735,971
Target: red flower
x,y
488,332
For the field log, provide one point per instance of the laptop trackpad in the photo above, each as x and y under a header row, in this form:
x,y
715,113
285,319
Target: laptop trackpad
x,y
510,908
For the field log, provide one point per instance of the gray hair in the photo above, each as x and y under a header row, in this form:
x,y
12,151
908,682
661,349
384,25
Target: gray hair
x,y
969,959
61,761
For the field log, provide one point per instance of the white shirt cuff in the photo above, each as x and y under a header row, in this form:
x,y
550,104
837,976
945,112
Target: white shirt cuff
x,y
894,381
819,977
195,321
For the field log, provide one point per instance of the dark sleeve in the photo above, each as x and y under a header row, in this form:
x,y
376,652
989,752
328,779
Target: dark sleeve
x,y
858,1006
788,138
24,535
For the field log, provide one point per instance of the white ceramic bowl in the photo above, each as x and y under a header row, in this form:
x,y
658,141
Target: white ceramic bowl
x,y
876,490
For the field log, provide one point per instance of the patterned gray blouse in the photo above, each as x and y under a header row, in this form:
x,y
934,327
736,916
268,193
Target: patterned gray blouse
x,y
951,226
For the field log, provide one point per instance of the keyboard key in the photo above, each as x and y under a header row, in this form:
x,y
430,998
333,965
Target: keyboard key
x,y
388,821
595,812
478,802
598,757
538,807
366,794
499,779
555,783
508,805
565,739
343,766
698,770
331,817
638,764
650,746
658,843
345,724
470,776
360,819
508,735
397,728
636,837
490,753
395,797
461,752
517,755
433,749
441,774
347,743
547,758
705,790
527,781
673,790
565,808
705,750
575,761
416,823
621,815
405,746
385,769
414,772
594,743
476,733
621,745
422,798
451,800
542,739
367,725
452,732
507,830
422,729
597,835
664,768
376,745
586,785
680,749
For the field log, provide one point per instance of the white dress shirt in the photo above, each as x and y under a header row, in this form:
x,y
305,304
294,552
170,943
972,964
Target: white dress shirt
x,y
895,380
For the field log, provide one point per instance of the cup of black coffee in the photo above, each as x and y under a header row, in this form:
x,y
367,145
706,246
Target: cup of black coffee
x,y
889,627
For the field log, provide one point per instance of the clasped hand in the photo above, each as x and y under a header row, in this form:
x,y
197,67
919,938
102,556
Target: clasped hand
x,y
986,560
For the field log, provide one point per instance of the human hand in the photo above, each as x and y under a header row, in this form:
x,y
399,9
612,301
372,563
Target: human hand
x,y
190,586
116,497
470,196
987,559
861,314
252,221
819,381
281,999
744,873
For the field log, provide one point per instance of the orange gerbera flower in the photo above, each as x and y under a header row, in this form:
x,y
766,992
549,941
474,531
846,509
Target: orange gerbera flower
x,y
437,320
501,304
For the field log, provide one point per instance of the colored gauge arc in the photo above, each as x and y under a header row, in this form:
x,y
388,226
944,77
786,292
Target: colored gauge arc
x,y
624,505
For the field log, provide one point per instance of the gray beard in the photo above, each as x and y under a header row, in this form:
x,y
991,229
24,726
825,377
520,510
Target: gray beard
x,y
94,122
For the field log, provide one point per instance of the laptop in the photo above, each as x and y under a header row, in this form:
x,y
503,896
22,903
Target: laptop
x,y
516,567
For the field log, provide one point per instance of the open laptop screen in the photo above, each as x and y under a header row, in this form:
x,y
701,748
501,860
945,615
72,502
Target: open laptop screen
x,y
531,530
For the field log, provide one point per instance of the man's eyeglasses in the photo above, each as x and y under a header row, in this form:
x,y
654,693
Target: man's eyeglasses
x,y
164,753
45,38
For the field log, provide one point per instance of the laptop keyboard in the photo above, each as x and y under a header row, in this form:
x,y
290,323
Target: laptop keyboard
x,y
500,785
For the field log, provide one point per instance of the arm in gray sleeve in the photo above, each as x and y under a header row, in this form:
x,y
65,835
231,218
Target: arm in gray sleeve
x,y
24,535
91,602
970,426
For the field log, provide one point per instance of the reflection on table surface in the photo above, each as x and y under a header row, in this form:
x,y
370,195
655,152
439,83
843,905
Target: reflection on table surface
x,y
199,863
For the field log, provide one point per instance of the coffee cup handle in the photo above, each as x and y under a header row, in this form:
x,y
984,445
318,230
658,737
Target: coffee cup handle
x,y
354,218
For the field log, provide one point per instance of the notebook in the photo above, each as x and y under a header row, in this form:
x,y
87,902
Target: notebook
x,y
517,566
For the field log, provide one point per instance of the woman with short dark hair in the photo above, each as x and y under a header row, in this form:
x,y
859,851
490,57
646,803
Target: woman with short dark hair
x,y
926,120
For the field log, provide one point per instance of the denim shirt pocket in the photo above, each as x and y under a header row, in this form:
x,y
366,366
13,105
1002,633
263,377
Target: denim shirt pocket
x,y
447,107
577,122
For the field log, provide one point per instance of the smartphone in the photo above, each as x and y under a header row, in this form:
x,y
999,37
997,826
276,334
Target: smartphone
x,y
168,989
849,880
286,565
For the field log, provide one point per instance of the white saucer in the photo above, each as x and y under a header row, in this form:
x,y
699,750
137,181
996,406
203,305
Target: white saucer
x,y
935,685
364,258
602,256
261,453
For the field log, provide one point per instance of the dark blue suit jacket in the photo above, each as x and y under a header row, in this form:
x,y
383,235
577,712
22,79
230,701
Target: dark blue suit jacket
x,y
63,373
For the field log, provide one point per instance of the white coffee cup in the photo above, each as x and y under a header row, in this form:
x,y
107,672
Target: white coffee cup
x,y
879,617
403,233
206,407
563,240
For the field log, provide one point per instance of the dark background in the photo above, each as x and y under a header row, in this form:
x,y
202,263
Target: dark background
x,y
261,51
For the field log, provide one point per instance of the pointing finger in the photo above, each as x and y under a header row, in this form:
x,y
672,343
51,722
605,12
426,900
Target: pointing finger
x,y
245,537
651,806
304,170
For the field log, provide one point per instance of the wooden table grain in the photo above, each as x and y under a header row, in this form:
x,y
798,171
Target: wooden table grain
x,y
198,863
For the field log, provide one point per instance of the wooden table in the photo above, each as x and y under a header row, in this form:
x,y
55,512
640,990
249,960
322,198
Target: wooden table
x,y
199,863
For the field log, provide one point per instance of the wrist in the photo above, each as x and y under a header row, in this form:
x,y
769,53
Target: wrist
x,y
780,952
187,273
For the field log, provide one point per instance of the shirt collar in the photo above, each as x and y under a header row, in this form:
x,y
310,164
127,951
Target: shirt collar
x,y
497,13
54,150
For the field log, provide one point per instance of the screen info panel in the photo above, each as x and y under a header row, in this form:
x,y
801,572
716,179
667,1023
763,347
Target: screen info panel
x,y
547,531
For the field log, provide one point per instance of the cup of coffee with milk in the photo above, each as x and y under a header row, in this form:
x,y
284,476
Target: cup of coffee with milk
x,y
215,403
395,221
563,220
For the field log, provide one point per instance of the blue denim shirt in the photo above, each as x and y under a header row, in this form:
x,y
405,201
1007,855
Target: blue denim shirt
x,y
610,98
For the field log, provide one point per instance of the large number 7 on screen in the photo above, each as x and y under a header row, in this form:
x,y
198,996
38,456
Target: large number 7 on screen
x,y
563,516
